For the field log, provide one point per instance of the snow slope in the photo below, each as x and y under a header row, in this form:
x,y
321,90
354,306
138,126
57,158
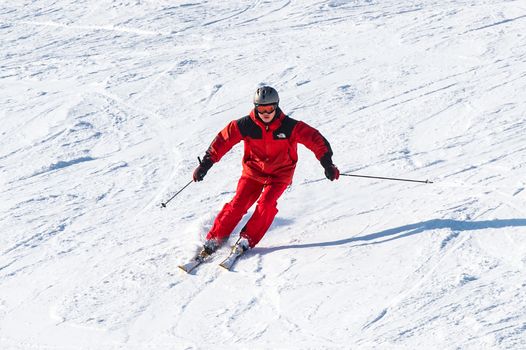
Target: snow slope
x,y
105,106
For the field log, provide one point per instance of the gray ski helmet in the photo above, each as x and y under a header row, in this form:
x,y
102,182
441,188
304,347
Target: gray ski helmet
x,y
266,95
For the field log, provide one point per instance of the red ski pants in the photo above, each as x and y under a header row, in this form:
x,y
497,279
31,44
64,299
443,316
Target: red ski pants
x,y
247,192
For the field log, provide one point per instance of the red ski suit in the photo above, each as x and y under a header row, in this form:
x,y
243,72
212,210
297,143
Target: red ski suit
x,y
269,162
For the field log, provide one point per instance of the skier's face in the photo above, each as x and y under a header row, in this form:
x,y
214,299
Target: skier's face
x,y
266,112
267,117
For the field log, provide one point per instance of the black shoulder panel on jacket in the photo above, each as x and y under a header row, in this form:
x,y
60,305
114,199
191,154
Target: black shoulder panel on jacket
x,y
285,129
248,128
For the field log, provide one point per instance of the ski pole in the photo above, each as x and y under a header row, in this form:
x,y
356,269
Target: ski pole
x,y
389,178
163,205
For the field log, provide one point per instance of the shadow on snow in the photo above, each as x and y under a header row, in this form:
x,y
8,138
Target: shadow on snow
x,y
406,231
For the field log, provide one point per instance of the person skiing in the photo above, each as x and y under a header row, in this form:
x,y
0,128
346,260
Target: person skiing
x,y
270,156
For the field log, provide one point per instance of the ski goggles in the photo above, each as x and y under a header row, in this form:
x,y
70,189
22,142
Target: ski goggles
x,y
266,109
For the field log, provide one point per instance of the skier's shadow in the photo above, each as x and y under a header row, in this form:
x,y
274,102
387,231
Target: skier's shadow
x,y
456,226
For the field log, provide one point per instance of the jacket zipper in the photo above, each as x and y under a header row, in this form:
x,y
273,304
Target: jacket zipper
x,y
266,147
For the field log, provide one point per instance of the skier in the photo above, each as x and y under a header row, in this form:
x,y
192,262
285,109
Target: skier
x,y
270,156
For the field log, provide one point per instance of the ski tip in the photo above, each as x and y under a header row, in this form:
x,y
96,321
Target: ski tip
x,y
225,267
183,268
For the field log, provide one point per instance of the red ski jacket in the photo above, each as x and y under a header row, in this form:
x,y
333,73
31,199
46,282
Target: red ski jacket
x,y
271,151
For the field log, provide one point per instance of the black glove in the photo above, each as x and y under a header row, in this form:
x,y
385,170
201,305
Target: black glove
x,y
331,171
202,169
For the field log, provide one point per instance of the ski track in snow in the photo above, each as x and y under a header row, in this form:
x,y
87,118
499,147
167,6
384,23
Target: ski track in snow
x,y
105,108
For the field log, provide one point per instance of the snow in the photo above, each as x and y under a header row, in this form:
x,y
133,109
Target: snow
x,y
106,105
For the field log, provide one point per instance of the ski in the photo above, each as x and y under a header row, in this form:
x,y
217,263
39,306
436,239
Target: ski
x,y
209,248
195,262
237,251
230,260
189,266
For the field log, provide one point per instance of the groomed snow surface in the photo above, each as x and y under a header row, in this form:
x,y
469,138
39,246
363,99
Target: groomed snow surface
x,y
105,106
